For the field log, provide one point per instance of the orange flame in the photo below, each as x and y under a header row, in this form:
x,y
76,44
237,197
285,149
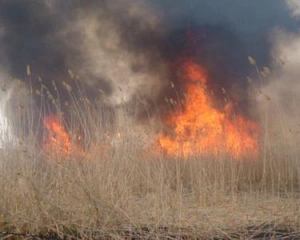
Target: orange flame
x,y
57,140
202,129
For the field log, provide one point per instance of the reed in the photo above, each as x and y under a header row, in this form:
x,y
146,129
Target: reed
x,y
123,186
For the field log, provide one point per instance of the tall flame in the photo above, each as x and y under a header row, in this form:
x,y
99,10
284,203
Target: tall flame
x,y
202,129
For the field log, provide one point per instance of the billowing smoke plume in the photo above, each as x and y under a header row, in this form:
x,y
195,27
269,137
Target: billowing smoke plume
x,y
110,45
118,44
119,52
108,52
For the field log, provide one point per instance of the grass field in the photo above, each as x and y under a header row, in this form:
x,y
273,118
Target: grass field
x,y
125,190
122,187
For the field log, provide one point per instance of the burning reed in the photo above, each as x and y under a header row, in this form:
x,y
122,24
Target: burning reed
x,y
126,181
155,132
77,170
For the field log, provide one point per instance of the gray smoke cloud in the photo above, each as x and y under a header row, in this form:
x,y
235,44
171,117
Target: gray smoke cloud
x,y
294,5
111,48
117,45
123,47
123,51
252,21
278,98
102,41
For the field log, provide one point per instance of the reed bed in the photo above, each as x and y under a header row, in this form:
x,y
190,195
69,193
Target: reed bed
x,y
123,187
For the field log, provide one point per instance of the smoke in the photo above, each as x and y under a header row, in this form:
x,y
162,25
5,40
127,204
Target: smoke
x,y
250,21
110,45
119,52
108,52
283,86
6,131
278,98
294,5
117,44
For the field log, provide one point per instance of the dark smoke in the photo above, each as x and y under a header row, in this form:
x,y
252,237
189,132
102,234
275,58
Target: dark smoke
x,y
252,21
121,52
110,48
65,35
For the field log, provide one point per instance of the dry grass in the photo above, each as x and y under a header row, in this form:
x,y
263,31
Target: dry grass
x,y
127,190
123,189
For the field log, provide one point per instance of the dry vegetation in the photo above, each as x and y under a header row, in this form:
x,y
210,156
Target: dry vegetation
x,y
123,190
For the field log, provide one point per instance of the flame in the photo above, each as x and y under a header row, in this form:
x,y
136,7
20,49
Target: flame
x,y
57,139
200,128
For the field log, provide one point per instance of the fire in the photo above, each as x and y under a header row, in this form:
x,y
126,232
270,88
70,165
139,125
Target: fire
x,y
57,140
200,128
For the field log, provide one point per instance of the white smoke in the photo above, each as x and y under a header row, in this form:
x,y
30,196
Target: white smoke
x,y
5,93
278,97
6,136
283,86
294,5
